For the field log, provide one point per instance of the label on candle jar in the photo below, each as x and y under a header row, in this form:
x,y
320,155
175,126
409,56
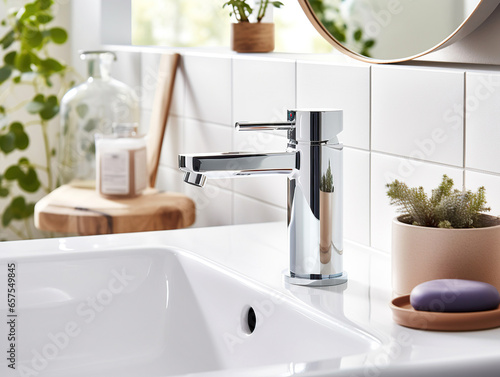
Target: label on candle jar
x,y
115,172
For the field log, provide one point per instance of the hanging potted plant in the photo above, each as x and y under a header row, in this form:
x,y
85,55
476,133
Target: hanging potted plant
x,y
249,36
444,236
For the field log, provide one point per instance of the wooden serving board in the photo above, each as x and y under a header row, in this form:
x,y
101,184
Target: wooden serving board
x,y
84,212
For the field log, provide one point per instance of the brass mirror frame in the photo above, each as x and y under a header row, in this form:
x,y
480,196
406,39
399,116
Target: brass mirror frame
x,y
482,11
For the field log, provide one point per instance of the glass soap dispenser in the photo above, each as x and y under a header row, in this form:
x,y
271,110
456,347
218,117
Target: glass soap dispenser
x,y
87,109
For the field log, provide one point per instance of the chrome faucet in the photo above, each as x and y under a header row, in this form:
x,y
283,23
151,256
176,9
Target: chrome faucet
x,y
313,165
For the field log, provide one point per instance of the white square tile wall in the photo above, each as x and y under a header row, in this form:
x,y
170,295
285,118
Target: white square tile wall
x,y
127,68
214,205
357,195
144,122
170,180
483,121
321,85
385,169
263,89
172,142
204,137
207,86
391,113
418,113
491,182
248,210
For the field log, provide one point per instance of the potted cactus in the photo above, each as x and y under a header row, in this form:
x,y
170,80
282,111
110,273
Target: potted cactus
x,y
249,36
446,235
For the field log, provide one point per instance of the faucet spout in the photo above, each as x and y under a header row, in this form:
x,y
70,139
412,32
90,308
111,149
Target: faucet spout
x,y
195,179
199,167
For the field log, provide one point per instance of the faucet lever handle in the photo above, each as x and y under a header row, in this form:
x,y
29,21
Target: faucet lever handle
x,y
250,126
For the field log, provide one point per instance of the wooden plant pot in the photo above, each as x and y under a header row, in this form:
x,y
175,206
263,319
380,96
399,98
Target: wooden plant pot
x,y
252,37
421,254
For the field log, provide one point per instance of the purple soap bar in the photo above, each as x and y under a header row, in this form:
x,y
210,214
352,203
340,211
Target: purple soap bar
x,y
454,295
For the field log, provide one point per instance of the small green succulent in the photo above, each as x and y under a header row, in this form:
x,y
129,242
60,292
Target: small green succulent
x,y
446,208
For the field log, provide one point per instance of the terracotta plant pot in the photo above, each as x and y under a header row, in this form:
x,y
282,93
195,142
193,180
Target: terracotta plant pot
x,y
252,37
422,253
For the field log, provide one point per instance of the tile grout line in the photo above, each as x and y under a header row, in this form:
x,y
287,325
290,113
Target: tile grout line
x,y
182,69
275,206
232,138
416,159
296,80
370,158
480,171
464,135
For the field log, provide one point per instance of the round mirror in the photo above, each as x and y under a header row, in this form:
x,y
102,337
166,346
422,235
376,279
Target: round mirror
x,y
387,31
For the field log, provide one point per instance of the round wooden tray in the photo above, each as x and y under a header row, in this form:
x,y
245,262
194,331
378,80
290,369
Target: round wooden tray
x,y
404,314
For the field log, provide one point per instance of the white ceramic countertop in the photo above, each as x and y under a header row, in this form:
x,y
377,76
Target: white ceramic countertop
x,y
258,252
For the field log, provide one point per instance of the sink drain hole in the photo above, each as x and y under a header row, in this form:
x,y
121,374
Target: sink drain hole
x,y
249,320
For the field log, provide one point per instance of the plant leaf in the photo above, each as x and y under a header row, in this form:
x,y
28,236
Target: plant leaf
x,y
51,65
44,18
7,143
29,182
33,38
7,40
358,34
58,35
18,209
23,62
5,73
50,109
45,4
21,137
14,138
13,173
25,175
369,43
27,11
10,57
4,192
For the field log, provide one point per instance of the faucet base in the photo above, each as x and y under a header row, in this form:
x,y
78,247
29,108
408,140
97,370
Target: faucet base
x,y
336,280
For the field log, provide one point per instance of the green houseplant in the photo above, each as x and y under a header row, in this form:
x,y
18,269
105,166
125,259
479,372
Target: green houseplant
x,y
32,82
444,235
249,36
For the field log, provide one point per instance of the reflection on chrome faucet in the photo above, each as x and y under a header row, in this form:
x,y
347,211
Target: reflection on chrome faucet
x,y
313,164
